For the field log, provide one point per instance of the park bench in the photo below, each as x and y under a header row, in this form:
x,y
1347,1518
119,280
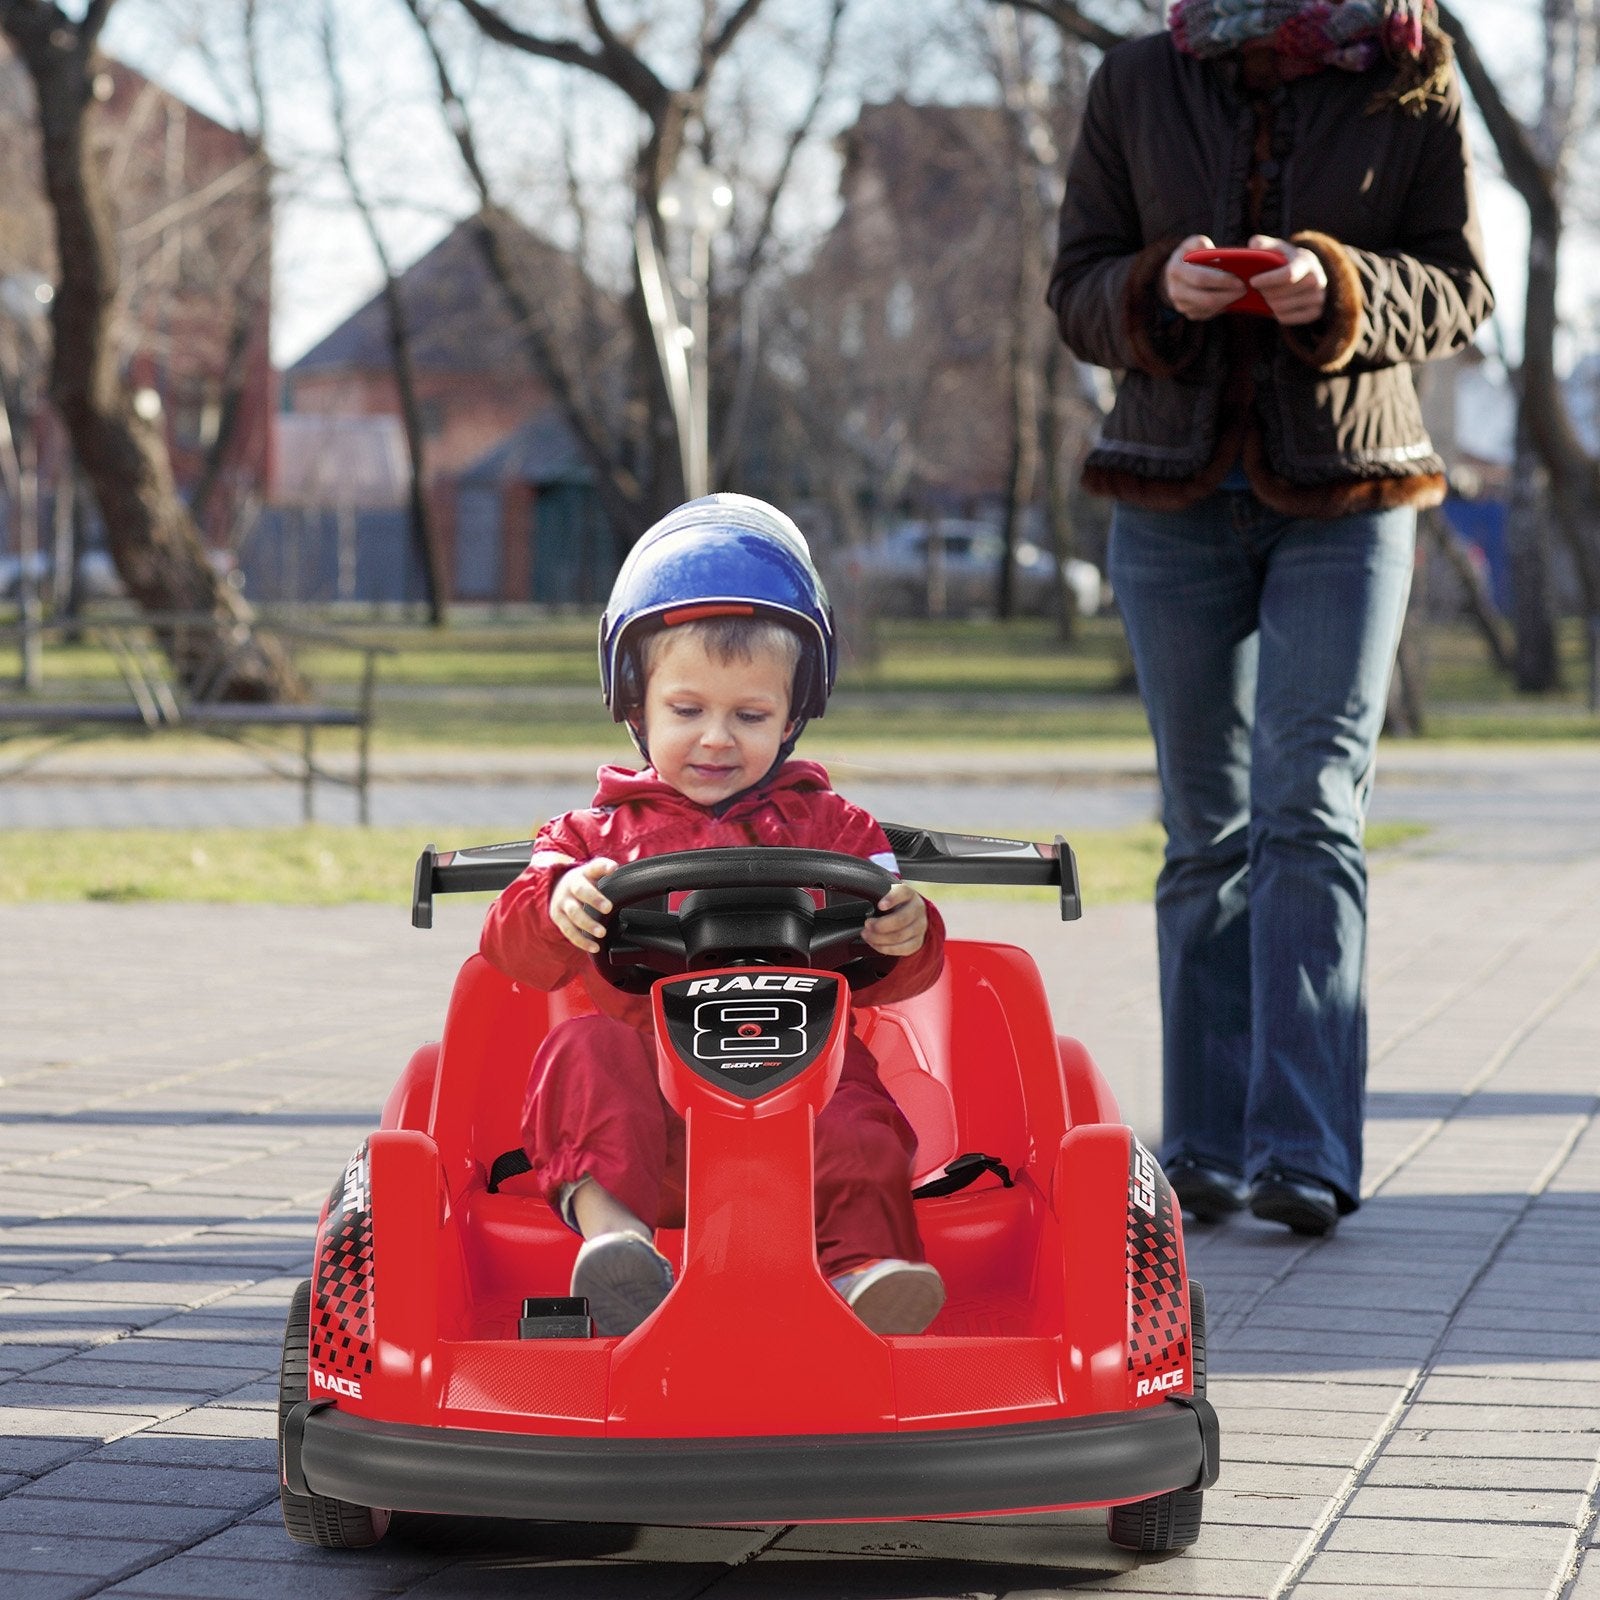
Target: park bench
x,y
155,701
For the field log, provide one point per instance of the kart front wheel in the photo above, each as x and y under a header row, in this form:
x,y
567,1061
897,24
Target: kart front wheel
x,y
315,1518
1171,1521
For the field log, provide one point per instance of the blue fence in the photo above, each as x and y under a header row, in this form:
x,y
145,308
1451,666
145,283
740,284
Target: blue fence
x,y
322,554
1482,523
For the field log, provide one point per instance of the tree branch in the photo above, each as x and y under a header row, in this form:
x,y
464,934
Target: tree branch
x,y
197,201
614,483
1071,20
423,534
610,44
1524,171
1574,473
567,51
258,88
30,21
613,61
797,135
719,46
94,19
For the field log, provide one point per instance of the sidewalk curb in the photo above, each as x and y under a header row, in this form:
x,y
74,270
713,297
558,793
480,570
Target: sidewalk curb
x,y
1118,765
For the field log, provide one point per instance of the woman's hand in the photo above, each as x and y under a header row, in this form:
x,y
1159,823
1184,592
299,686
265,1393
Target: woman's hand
x,y
1199,293
902,923
1297,291
577,906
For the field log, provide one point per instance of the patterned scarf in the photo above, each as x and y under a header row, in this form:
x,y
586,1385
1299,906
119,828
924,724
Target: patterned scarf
x,y
1308,35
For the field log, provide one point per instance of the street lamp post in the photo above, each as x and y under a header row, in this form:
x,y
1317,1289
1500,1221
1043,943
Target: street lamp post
x,y
25,300
697,199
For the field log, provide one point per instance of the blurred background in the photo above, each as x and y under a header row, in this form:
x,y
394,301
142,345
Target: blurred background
x,y
401,319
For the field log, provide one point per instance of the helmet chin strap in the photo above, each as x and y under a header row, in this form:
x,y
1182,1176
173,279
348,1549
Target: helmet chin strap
x,y
785,750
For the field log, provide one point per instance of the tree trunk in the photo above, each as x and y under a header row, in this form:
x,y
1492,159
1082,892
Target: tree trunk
x,y
154,540
1453,548
1058,513
1023,387
1535,664
662,478
424,535
1535,173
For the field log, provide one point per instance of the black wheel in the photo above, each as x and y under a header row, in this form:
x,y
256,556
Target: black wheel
x,y
315,1518
1171,1521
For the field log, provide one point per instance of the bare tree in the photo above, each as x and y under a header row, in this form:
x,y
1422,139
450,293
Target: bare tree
x,y
1072,20
424,536
638,465
1535,162
621,489
154,540
1048,424
1017,78
236,245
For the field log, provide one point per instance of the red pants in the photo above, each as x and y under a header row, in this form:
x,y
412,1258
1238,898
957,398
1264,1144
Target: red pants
x,y
595,1109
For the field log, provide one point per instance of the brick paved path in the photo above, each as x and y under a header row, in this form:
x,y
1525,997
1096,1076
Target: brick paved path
x,y
1411,1408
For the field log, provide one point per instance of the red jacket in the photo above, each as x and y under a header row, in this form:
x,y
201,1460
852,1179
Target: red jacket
x,y
638,814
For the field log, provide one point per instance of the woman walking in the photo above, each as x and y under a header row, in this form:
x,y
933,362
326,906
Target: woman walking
x,y
1267,470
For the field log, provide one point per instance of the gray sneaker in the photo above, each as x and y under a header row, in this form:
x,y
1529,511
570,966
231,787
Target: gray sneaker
x,y
623,1277
892,1296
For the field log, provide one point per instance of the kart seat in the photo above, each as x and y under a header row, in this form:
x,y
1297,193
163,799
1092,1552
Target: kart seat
x,y
915,1042
906,1068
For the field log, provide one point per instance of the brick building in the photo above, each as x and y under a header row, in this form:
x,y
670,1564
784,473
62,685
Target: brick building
x,y
510,494
195,255
904,316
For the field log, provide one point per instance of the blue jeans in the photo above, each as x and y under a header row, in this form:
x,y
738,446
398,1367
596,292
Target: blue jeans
x,y
1263,645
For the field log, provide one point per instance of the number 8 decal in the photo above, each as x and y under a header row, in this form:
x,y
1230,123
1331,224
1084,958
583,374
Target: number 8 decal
x,y
766,1030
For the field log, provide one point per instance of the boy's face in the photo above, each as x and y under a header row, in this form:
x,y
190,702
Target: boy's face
x,y
714,727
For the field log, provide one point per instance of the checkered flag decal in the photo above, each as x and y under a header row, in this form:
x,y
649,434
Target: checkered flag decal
x,y
341,1291
1158,1311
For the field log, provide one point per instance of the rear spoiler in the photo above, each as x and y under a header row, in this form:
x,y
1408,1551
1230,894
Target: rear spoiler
x,y
924,856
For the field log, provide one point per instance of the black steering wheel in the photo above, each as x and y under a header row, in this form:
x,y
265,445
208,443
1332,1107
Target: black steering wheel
x,y
747,906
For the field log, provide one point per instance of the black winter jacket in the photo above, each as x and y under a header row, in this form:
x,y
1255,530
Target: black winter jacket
x,y
1324,417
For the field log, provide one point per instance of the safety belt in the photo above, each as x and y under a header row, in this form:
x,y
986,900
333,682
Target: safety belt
x,y
959,1173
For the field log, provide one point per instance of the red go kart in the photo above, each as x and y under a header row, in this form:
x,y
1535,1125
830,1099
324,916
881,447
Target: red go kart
x,y
433,1361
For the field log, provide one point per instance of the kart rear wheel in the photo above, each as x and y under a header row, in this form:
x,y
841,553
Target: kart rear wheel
x,y
315,1518
1169,1521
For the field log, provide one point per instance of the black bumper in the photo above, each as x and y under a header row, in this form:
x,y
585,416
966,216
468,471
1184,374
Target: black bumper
x,y
809,1478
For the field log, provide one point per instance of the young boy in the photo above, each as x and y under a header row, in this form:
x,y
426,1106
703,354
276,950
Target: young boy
x,y
716,647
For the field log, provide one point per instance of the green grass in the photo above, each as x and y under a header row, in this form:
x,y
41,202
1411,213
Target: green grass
x,y
321,866
313,865
532,681
1468,698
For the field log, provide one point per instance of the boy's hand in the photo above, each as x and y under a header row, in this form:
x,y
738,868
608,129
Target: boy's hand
x,y
576,905
902,923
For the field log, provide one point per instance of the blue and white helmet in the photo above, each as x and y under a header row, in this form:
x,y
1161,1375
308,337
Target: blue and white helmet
x,y
725,555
